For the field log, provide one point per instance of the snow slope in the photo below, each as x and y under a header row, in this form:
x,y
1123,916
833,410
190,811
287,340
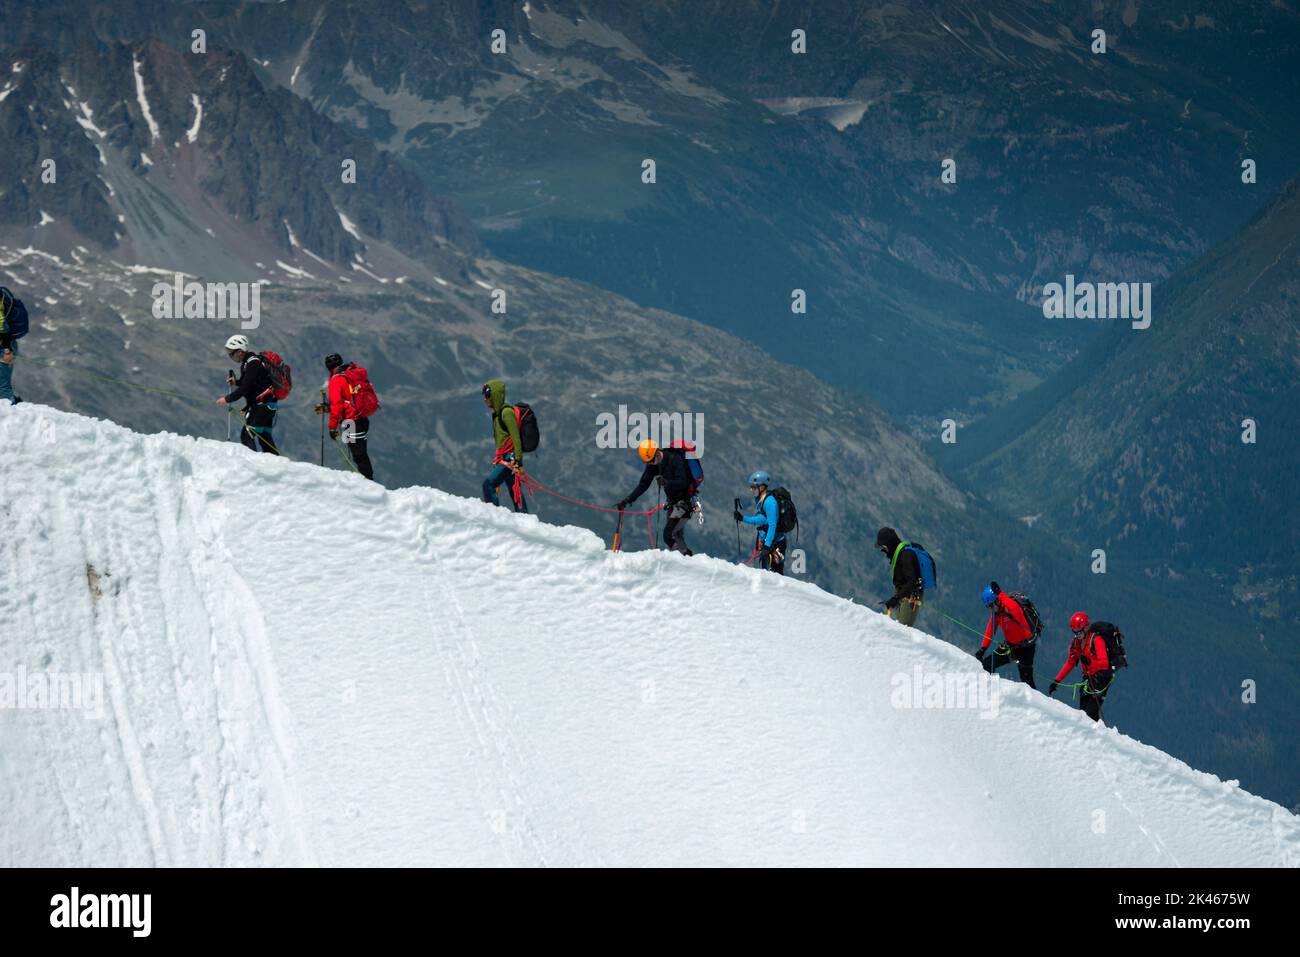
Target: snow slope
x,y
300,667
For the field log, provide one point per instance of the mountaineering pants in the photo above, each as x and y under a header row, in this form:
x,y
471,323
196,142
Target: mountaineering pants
x,y
679,516
7,376
1022,654
356,443
1093,693
772,563
906,611
501,474
256,434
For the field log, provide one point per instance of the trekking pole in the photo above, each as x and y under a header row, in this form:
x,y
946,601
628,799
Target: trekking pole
x,y
737,532
230,379
322,428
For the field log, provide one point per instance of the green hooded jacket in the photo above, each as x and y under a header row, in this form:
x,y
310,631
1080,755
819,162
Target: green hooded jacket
x,y
505,425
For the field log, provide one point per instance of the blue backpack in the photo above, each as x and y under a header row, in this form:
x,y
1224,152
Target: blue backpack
x,y
13,315
929,571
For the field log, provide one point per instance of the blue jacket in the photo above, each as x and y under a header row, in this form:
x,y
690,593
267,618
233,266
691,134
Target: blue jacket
x,y
766,519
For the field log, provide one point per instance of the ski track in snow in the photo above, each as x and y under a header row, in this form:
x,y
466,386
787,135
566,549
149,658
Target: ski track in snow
x,y
301,667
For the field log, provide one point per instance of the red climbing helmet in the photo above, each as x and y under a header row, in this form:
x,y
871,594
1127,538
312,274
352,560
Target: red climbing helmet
x,y
1078,622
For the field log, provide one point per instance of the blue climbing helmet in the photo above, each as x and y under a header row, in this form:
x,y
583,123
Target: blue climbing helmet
x,y
989,597
760,478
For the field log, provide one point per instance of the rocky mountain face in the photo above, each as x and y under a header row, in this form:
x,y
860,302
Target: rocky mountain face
x,y
819,171
168,158
544,145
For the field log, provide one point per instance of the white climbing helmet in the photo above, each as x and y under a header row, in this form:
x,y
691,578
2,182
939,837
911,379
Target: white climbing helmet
x,y
237,344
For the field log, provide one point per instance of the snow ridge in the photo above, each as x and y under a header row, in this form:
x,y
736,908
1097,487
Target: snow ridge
x,y
463,685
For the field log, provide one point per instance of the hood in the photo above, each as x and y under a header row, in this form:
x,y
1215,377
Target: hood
x,y
888,538
497,394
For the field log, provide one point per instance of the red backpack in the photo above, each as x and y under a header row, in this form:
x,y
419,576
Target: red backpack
x,y
360,397
281,375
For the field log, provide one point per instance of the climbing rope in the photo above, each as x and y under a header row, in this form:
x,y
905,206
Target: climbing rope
x,y
527,481
958,621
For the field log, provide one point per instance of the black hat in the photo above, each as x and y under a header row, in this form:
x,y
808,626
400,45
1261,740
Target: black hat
x,y
333,361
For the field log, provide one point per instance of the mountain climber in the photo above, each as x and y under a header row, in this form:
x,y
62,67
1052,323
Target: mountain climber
x,y
1088,649
906,572
344,393
770,543
1007,614
13,325
673,471
8,352
256,386
508,461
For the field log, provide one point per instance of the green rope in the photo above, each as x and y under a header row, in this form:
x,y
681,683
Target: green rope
x,y
956,621
347,458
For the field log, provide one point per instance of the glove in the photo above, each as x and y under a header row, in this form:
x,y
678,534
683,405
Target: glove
x,y
736,514
979,655
334,434
7,358
764,555
319,408
1051,689
621,505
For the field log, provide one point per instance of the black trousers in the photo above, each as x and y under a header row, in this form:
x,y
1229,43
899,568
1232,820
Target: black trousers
x,y
1022,655
1093,693
357,447
679,516
774,564
256,433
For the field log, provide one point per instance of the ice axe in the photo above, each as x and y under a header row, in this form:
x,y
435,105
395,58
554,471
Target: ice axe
x,y
618,533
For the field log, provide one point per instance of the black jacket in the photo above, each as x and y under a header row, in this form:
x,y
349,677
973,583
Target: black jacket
x,y
254,385
907,570
675,472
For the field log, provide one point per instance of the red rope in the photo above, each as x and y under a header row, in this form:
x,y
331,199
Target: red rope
x,y
535,486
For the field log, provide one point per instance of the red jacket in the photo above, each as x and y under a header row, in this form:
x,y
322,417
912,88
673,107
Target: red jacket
x,y
340,397
1089,649
1010,617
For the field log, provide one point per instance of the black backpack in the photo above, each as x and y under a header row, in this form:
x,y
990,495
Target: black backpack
x,y
1114,641
1031,613
787,519
13,315
529,437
